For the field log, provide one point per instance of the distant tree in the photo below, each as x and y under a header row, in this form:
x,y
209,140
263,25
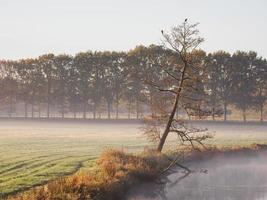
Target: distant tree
x,y
136,70
84,63
107,73
97,82
74,97
111,76
29,77
260,94
244,81
9,85
159,61
194,98
38,87
220,80
119,72
102,81
23,69
47,64
63,65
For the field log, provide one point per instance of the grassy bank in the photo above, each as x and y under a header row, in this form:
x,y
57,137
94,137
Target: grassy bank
x,y
117,171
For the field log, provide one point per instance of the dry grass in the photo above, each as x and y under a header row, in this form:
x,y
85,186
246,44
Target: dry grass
x,y
116,172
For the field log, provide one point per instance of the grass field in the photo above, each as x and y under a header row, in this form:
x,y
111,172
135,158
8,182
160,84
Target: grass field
x,y
33,152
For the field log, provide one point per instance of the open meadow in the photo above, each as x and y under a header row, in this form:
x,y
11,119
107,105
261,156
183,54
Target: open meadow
x,y
33,152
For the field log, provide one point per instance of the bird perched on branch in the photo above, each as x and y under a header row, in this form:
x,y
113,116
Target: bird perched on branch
x,y
185,20
162,32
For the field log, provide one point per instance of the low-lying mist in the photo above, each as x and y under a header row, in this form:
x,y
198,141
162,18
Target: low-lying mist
x,y
241,176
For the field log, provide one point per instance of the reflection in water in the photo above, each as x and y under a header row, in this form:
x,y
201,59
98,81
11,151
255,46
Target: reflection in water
x,y
239,177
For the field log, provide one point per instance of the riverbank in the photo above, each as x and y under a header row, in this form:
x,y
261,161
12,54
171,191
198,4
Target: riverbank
x,y
117,171
238,174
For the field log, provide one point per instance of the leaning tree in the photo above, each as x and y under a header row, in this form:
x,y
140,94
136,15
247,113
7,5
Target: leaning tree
x,y
181,81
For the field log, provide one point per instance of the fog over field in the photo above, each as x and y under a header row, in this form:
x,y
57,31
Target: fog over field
x,y
100,97
34,151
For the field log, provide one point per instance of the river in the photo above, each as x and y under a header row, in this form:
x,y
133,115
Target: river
x,y
224,177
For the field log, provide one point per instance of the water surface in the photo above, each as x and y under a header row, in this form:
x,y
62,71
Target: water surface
x,y
227,177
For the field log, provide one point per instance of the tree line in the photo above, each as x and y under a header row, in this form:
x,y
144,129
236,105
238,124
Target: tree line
x,y
117,82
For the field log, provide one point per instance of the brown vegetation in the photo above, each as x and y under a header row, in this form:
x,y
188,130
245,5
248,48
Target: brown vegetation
x,y
116,172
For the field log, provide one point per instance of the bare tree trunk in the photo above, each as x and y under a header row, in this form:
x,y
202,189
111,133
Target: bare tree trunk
x,y
261,111
117,106
129,110
244,115
170,120
26,110
213,113
108,107
94,112
39,110
48,110
225,111
48,105
137,107
84,109
74,111
32,110
62,111
10,106
167,129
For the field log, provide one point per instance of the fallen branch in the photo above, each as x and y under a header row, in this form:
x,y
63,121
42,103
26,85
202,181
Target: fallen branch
x,y
174,162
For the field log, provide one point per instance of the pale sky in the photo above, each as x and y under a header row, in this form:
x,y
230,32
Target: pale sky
x,y
29,28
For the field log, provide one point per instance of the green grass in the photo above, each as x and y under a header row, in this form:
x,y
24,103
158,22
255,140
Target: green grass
x,y
34,152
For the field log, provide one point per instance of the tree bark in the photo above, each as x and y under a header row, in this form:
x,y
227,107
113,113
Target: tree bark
x,y
170,120
117,106
74,111
48,101
26,110
32,110
84,109
129,110
225,111
10,106
261,111
137,107
213,113
94,112
39,110
108,107
244,115
62,111
167,129
48,110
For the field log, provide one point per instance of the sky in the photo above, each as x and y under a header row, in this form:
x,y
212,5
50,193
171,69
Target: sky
x,y
29,28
